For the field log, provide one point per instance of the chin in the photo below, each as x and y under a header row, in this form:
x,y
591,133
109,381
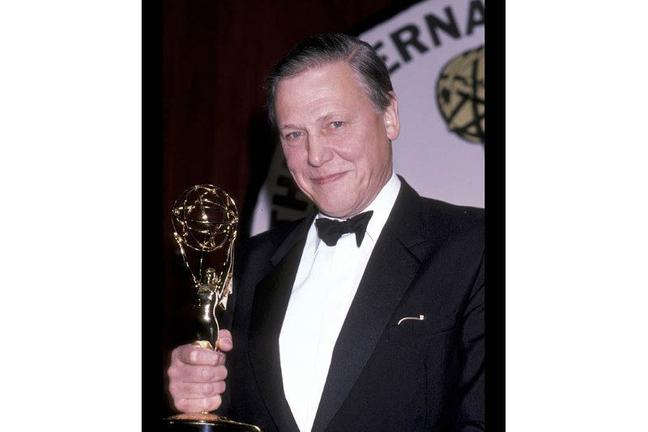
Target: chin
x,y
335,211
329,202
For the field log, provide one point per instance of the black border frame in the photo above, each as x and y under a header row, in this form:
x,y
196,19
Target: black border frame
x,y
153,392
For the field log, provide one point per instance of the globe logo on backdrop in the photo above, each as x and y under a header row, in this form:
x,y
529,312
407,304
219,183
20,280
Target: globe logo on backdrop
x,y
460,95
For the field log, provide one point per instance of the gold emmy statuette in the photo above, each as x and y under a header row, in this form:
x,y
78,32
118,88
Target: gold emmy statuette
x,y
205,223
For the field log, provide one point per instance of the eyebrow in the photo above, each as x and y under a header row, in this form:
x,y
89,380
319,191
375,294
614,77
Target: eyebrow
x,y
289,126
321,118
325,117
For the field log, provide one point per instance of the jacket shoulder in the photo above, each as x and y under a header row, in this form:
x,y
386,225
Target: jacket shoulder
x,y
443,221
454,216
433,219
261,247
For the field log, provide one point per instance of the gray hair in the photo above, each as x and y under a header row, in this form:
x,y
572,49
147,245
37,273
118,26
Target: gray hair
x,y
326,48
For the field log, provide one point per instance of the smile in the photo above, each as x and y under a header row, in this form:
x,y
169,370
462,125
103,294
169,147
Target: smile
x,y
327,179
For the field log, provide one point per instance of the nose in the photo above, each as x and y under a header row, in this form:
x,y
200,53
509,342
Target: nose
x,y
319,152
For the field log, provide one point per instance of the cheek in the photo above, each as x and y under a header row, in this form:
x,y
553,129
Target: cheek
x,y
294,158
360,144
356,150
348,146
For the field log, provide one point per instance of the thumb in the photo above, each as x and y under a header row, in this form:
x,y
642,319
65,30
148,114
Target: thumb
x,y
225,342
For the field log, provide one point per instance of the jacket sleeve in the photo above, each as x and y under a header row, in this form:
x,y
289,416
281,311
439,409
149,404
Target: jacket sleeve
x,y
470,413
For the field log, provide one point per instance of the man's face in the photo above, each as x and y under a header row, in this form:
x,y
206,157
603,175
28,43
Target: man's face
x,y
336,143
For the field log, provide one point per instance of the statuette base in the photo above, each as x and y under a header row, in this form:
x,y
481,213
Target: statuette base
x,y
205,422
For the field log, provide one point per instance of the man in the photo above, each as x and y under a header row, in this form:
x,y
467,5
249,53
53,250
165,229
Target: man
x,y
377,329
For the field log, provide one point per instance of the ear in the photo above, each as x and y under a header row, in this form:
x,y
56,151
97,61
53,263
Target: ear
x,y
390,117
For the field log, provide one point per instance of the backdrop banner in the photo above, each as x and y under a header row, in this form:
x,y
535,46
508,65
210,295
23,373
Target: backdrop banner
x,y
434,51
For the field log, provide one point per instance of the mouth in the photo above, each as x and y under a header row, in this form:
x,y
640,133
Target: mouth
x,y
327,179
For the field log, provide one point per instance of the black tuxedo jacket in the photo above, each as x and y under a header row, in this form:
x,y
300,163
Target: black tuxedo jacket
x,y
419,375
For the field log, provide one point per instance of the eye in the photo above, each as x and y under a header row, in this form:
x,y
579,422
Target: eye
x,y
336,124
292,136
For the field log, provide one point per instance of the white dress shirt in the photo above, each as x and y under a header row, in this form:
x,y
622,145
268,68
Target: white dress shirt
x,y
325,284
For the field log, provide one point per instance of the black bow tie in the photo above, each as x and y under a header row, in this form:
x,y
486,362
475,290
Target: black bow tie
x,y
331,230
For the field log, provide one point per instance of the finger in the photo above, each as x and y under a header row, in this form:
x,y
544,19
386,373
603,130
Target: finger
x,y
181,390
198,405
225,341
195,355
221,359
196,374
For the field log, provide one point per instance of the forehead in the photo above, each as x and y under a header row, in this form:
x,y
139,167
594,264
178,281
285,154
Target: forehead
x,y
331,84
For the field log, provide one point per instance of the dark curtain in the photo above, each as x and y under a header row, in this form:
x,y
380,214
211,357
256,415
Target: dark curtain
x,y
215,56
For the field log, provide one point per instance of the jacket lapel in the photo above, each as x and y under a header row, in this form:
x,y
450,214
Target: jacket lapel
x,y
268,310
390,270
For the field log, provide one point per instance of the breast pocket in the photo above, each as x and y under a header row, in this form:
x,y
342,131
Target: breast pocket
x,y
417,331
